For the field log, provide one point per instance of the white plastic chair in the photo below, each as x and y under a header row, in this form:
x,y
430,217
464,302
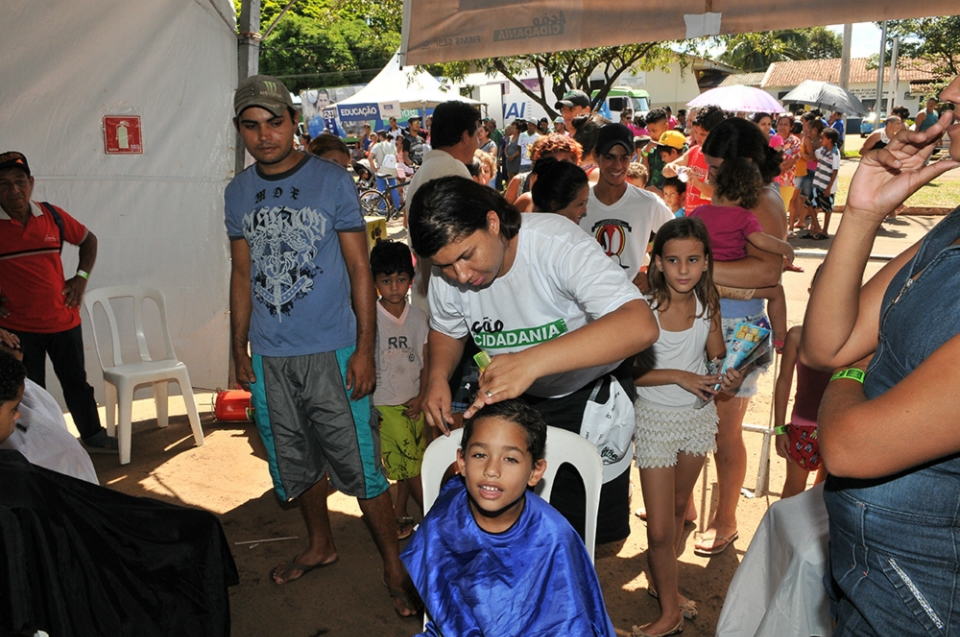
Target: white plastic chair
x,y
122,379
563,447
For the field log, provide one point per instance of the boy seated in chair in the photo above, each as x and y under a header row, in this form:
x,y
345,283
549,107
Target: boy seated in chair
x,y
493,558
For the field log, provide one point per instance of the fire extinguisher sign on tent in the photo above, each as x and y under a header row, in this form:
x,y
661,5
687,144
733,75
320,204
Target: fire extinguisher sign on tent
x,y
121,135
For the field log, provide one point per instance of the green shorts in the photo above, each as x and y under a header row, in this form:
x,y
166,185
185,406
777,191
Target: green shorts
x,y
402,442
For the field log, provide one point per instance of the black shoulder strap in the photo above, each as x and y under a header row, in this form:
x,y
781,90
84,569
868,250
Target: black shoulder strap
x,y
57,219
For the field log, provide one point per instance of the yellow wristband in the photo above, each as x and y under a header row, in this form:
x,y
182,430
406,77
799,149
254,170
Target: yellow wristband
x,y
83,274
852,373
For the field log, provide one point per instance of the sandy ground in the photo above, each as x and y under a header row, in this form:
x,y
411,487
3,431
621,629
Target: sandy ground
x,y
228,476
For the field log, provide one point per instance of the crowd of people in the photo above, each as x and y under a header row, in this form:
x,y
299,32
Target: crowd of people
x,y
590,276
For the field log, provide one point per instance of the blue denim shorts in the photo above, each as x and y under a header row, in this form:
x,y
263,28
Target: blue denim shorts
x,y
891,572
748,387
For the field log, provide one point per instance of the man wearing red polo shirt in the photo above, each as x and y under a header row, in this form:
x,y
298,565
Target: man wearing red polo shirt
x,y
37,303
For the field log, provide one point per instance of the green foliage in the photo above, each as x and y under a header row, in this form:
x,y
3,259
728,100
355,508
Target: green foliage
x,y
567,69
754,52
321,43
934,39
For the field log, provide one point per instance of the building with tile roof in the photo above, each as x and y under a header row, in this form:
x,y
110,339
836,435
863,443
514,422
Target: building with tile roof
x,y
914,78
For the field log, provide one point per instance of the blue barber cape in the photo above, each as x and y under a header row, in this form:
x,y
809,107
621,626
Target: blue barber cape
x,y
534,579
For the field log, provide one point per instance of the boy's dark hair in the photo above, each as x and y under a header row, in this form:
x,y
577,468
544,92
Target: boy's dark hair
x,y
676,183
450,121
832,134
709,116
558,183
450,208
518,412
797,128
739,179
655,115
12,373
391,257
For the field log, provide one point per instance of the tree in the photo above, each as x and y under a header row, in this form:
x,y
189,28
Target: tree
x,y
568,70
933,39
320,43
756,51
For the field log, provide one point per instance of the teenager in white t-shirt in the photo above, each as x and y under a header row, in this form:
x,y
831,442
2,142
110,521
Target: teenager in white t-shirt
x,y
556,315
620,216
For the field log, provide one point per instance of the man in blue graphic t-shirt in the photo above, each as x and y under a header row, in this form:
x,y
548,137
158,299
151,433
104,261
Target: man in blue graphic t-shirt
x,y
302,299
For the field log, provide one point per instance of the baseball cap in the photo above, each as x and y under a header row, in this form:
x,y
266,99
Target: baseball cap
x,y
573,98
613,134
264,91
673,139
13,159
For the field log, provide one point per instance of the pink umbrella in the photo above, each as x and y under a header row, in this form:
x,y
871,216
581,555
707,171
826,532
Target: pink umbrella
x,y
738,98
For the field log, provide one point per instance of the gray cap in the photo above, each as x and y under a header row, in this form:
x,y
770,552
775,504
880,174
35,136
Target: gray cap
x,y
264,91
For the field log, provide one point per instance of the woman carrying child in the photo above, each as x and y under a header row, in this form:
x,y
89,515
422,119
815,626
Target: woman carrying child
x,y
737,187
732,138
675,429
557,316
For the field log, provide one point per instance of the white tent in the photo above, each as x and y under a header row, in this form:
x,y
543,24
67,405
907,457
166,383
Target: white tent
x,y
158,214
394,89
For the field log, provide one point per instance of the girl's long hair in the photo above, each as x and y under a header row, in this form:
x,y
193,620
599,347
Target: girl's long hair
x,y
706,291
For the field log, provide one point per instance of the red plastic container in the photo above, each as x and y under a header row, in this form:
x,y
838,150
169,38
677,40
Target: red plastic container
x,y
233,405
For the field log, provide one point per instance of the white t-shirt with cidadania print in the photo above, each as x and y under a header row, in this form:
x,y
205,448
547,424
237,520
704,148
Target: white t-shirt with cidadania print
x,y
623,230
559,282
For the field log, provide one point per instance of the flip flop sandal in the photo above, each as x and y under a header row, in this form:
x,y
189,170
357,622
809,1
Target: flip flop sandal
x,y
676,630
294,565
720,544
414,604
819,237
404,528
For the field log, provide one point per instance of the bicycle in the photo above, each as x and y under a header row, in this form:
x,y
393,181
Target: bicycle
x,y
377,202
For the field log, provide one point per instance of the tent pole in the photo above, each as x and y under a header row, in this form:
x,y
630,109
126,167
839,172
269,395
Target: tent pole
x,y
248,58
248,64
878,105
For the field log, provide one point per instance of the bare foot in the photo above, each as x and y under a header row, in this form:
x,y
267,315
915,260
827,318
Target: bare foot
x,y
298,566
663,625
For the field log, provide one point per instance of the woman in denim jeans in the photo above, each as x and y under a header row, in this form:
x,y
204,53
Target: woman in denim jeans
x,y
891,442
